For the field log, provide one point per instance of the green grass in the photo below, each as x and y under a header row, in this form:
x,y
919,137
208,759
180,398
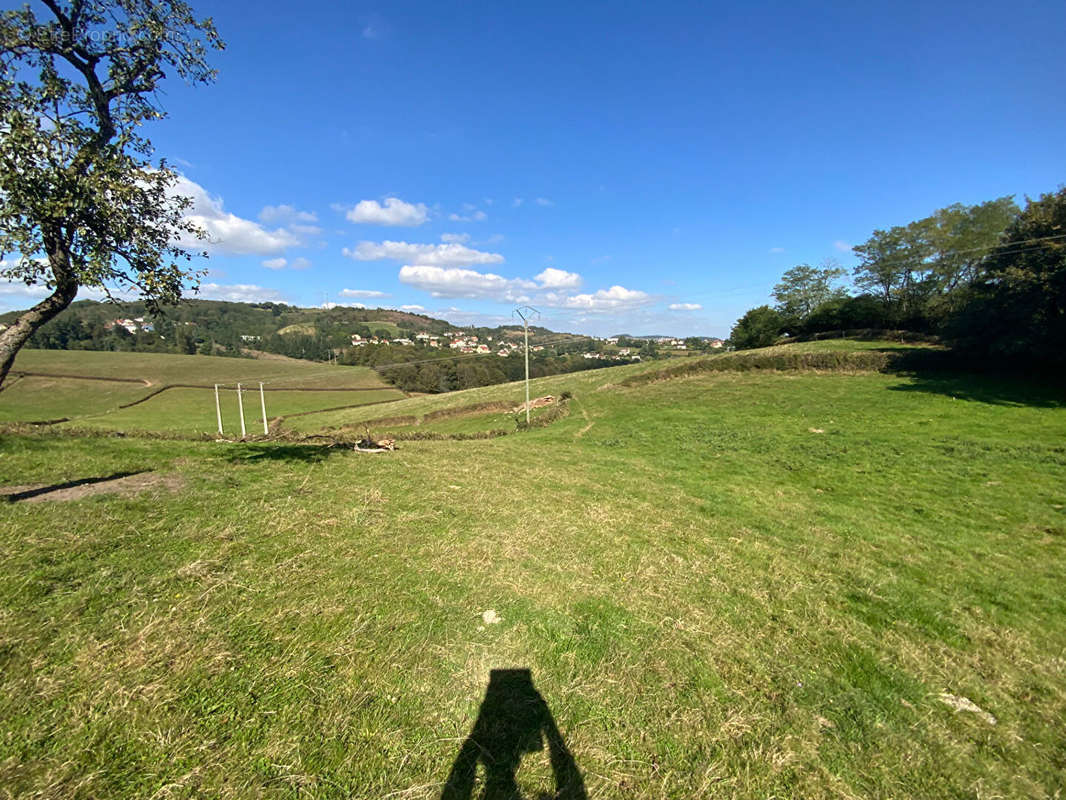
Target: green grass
x,y
164,368
193,410
97,403
384,325
725,585
33,399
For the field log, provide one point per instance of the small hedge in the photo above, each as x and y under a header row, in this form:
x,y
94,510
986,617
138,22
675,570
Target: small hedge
x,y
462,411
918,360
861,361
553,413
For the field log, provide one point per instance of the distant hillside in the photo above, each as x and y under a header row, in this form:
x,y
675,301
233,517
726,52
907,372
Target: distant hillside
x,y
414,352
212,327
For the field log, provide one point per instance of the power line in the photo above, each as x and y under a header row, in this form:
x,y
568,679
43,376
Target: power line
x,y
1014,249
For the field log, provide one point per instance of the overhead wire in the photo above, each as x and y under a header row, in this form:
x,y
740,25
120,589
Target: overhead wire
x,y
1016,248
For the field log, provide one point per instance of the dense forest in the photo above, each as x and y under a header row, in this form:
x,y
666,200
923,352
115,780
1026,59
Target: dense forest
x,y
212,327
989,279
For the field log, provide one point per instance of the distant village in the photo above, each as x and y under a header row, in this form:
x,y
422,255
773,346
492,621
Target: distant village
x,y
470,344
466,343
330,344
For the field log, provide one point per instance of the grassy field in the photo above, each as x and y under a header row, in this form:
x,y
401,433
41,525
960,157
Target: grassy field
x,y
34,399
98,403
166,369
193,410
742,585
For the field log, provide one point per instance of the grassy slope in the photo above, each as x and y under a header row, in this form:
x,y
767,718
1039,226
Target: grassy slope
x,y
514,393
33,399
96,403
167,369
713,599
193,410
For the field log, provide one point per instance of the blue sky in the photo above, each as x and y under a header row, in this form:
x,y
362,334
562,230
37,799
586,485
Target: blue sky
x,y
638,167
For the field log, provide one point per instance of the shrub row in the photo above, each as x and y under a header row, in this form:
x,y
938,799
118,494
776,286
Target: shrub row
x,y
867,360
462,411
545,418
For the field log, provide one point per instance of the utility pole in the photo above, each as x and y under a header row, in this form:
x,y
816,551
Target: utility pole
x,y
523,313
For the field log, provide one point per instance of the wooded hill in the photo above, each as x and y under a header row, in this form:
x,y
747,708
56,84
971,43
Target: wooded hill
x,y
225,328
210,327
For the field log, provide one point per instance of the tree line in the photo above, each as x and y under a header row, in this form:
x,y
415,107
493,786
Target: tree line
x,y
989,279
209,327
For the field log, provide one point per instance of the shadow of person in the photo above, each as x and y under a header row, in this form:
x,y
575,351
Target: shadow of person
x,y
513,720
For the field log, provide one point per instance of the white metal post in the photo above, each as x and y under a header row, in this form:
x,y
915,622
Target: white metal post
x,y
263,403
240,408
218,411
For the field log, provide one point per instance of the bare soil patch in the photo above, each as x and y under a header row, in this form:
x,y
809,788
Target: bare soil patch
x,y
124,485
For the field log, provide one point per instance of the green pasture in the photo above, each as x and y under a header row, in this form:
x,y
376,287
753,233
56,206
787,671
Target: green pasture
x,y
36,399
193,410
97,403
733,584
166,368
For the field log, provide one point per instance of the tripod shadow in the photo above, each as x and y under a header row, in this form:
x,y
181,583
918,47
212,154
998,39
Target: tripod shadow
x,y
513,720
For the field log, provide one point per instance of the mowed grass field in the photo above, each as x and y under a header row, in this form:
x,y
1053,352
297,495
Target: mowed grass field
x,y
742,585
87,399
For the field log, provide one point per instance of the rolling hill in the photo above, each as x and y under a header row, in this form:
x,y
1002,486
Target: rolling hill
x,y
796,572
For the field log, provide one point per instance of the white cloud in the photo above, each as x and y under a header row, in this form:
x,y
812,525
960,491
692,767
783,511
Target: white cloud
x,y
842,246
685,306
458,316
286,215
777,249
17,289
16,294
281,263
238,293
461,238
517,202
475,216
552,278
616,298
394,212
454,282
227,233
328,305
412,308
361,293
544,201
451,254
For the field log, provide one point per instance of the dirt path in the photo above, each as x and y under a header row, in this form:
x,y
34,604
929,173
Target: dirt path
x,y
122,484
586,429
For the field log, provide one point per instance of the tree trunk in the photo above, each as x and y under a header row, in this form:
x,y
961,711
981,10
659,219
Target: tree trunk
x,y
12,339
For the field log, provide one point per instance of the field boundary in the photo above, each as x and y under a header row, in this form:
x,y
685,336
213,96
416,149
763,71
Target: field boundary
x,y
30,374
252,384
886,361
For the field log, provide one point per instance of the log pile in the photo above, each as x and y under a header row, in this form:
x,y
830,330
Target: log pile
x,y
538,402
368,444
